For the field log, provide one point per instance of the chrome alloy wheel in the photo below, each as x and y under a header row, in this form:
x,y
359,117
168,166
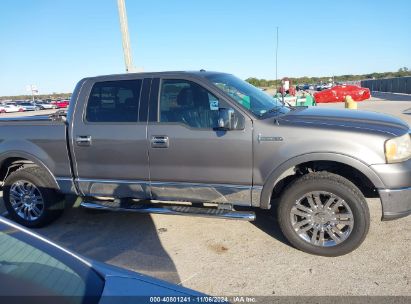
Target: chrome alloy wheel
x,y
322,219
26,200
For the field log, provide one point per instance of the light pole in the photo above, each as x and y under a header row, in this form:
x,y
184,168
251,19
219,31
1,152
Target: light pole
x,y
125,35
276,64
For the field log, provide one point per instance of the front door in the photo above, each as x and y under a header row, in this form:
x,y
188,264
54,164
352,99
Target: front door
x,y
109,140
189,159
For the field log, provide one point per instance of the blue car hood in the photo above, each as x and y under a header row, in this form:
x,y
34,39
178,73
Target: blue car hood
x,y
124,286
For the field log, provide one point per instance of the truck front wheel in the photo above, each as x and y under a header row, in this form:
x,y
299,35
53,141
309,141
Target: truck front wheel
x,y
324,214
30,197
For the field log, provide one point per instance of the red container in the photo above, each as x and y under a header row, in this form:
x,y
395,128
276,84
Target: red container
x,y
338,93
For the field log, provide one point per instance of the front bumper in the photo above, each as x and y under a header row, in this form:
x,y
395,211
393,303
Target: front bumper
x,y
396,195
396,203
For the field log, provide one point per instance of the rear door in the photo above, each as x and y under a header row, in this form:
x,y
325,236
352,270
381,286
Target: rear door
x,y
108,138
189,159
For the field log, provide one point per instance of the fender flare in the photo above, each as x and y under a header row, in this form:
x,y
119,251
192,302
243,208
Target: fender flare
x,y
275,175
24,155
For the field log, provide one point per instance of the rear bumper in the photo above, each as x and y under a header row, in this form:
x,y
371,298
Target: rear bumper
x,y
396,203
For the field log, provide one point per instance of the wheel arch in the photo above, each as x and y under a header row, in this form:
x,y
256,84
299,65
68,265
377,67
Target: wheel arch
x,y
287,170
13,160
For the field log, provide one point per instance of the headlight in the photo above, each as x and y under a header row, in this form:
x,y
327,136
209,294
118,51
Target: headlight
x,y
398,149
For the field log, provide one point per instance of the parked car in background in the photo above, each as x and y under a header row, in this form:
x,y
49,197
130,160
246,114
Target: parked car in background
x,y
61,104
10,108
327,86
31,265
323,86
28,106
299,87
46,106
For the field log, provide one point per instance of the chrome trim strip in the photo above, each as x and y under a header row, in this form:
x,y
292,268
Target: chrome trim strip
x,y
124,181
64,179
395,190
201,185
397,214
110,181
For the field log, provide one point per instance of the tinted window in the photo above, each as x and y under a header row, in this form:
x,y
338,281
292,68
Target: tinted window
x,y
114,101
248,96
186,102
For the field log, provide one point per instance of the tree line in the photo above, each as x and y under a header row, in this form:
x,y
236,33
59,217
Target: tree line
x,y
402,72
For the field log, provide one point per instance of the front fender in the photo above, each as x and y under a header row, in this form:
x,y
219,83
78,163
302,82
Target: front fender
x,y
278,173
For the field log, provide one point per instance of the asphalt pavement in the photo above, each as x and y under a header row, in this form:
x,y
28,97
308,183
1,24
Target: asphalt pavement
x,y
226,257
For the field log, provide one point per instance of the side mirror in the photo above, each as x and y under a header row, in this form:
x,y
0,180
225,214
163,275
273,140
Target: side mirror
x,y
226,119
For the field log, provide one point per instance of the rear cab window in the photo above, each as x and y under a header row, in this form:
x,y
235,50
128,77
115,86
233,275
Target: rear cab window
x,y
114,101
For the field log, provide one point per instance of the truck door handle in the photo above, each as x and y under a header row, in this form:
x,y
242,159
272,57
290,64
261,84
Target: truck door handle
x,y
83,140
159,141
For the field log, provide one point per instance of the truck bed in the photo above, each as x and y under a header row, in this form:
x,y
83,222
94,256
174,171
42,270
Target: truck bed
x,y
42,138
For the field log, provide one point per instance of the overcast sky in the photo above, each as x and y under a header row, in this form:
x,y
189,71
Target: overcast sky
x,y
54,43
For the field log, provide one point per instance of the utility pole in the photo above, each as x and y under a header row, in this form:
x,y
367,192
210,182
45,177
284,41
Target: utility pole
x,y
125,35
276,63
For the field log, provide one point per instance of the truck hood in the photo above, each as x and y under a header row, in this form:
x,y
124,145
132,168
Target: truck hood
x,y
344,118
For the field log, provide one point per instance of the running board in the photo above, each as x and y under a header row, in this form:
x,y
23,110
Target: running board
x,y
172,210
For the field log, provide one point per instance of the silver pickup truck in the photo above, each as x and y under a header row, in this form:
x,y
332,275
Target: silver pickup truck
x,y
208,144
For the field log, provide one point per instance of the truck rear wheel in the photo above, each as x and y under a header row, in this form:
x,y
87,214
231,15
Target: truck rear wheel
x,y
31,199
324,214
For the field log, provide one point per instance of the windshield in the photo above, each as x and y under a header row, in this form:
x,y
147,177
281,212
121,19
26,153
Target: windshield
x,y
248,96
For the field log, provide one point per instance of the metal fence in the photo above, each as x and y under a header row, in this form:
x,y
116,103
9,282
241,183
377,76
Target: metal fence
x,y
392,85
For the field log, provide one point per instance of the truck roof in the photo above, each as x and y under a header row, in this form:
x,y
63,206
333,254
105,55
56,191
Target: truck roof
x,y
200,73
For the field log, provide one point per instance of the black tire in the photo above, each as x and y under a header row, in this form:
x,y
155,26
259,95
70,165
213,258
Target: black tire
x,y
328,183
53,201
